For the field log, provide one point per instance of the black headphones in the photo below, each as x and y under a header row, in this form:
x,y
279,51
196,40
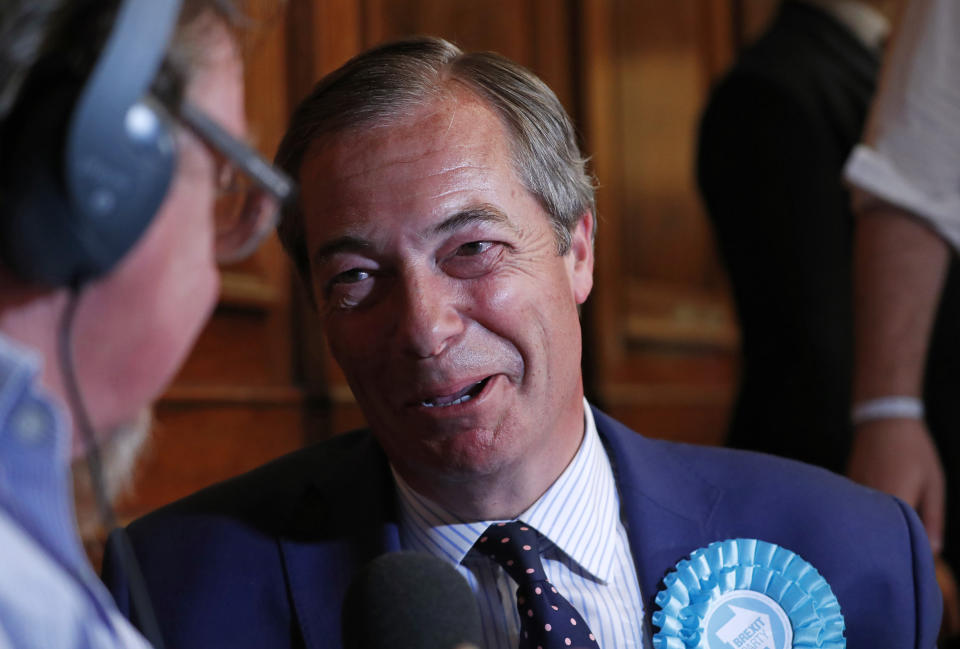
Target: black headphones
x,y
87,164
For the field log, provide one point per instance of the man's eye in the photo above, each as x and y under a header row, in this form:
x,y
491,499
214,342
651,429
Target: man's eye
x,y
351,276
348,289
473,259
474,248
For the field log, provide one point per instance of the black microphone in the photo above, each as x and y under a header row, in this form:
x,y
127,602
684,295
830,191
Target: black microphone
x,y
409,600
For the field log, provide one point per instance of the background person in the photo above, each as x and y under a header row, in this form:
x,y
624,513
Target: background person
x,y
907,200
773,140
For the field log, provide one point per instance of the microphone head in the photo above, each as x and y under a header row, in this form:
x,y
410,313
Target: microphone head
x,y
409,600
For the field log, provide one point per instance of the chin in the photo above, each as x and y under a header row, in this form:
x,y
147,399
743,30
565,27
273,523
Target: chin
x,y
120,449
469,454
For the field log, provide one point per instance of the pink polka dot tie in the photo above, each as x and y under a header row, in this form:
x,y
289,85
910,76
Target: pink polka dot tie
x,y
547,620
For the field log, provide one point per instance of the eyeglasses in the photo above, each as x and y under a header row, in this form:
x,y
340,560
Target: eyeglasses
x,y
251,190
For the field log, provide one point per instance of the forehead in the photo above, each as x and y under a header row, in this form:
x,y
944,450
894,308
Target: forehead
x,y
447,153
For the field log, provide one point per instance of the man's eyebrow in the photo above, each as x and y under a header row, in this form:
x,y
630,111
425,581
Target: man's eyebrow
x,y
479,213
339,245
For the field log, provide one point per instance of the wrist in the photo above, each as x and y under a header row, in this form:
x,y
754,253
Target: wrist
x,y
887,407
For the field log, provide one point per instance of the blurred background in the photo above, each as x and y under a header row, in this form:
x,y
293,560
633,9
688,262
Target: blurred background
x,y
661,339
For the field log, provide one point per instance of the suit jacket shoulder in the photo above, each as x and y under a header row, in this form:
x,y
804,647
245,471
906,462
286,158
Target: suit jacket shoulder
x,y
263,559
869,546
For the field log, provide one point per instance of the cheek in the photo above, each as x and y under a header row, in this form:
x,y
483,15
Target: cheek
x,y
139,324
535,312
190,202
498,296
519,300
182,285
188,280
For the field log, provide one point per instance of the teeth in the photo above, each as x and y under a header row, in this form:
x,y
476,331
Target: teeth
x,y
434,404
467,394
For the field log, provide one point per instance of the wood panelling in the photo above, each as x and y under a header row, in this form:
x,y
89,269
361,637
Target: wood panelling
x,y
536,33
194,444
660,339
235,404
321,35
634,75
661,328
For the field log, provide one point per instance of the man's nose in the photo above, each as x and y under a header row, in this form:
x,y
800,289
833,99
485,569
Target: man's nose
x,y
430,318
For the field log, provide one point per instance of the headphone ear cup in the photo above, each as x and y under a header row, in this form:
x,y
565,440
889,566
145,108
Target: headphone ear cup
x,y
117,175
87,162
35,238
45,237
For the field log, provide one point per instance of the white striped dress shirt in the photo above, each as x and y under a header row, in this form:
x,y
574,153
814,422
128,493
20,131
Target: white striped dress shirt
x,y
910,154
588,558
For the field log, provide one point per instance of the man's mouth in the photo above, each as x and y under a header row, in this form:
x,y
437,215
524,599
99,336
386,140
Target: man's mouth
x,y
462,396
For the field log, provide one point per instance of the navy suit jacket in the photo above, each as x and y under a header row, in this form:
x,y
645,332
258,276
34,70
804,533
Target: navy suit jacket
x,y
263,560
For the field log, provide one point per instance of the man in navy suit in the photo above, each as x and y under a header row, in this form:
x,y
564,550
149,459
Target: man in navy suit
x,y
446,230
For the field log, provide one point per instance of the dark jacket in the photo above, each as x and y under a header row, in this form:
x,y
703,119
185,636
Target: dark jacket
x,y
263,560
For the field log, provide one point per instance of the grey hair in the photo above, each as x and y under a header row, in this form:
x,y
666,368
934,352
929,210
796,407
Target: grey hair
x,y
386,83
57,42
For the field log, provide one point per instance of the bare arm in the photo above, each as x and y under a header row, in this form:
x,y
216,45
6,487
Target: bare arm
x,y
898,274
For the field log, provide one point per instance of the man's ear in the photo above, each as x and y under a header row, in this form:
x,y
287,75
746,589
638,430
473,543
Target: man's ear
x,y
580,257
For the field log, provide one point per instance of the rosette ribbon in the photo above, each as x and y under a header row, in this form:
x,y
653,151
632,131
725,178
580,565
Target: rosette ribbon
x,y
726,569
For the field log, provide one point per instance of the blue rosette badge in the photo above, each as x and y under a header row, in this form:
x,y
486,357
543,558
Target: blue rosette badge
x,y
747,594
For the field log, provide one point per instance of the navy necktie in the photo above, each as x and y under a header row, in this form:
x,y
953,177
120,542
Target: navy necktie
x,y
547,620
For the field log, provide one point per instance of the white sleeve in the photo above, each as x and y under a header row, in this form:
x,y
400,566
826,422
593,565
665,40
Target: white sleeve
x,y
910,154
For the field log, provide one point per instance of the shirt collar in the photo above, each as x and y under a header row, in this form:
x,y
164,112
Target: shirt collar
x,y
34,455
867,23
31,426
35,479
578,513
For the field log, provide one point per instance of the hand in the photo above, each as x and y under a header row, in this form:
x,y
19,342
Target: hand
x,y
898,456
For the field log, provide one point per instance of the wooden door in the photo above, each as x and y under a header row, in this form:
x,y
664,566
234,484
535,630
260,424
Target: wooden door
x,y
661,332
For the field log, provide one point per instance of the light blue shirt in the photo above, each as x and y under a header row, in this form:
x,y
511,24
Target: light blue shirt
x,y
49,594
588,558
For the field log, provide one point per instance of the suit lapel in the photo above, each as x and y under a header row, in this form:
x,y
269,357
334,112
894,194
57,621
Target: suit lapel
x,y
343,520
348,516
666,505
